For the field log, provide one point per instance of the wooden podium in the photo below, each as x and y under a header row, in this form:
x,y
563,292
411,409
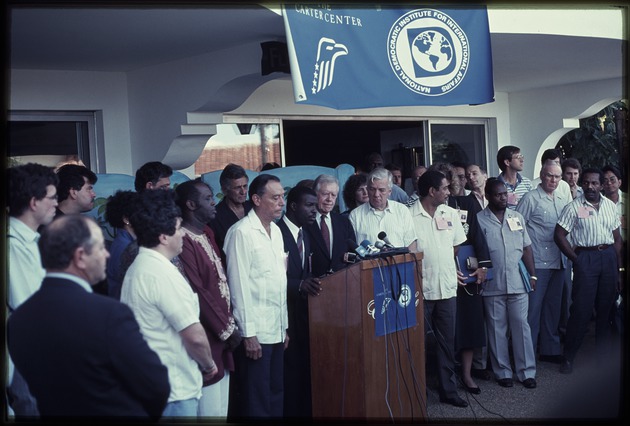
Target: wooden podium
x,y
355,372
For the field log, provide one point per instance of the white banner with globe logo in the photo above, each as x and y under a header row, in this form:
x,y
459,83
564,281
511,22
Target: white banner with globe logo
x,y
369,56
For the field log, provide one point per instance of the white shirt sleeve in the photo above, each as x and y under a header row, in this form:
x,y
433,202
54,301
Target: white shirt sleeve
x,y
239,263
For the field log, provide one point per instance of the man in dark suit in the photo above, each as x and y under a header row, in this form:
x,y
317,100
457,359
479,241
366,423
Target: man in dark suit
x,y
301,211
328,254
81,353
234,205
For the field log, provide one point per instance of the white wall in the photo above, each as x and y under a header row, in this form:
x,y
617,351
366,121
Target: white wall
x,y
80,91
536,114
143,109
160,96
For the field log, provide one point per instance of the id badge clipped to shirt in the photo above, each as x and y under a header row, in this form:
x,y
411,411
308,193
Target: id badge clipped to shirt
x,y
584,212
443,223
514,223
463,215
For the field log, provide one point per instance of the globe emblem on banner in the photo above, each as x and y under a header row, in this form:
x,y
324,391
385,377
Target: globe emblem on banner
x,y
405,297
428,52
432,51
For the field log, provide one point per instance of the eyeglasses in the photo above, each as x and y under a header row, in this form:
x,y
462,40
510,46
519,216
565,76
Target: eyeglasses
x,y
518,157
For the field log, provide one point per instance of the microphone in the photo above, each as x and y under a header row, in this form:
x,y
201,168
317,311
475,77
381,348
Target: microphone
x,y
359,250
389,248
379,245
369,247
383,236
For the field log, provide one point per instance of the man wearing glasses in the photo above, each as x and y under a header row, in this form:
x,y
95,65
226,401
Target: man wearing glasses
x,y
511,161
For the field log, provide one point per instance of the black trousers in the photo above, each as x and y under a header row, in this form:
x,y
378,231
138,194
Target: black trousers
x,y
260,383
595,277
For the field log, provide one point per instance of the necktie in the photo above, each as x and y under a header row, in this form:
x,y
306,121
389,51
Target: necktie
x,y
326,234
300,244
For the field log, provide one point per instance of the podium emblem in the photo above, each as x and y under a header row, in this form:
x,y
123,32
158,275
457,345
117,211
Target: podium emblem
x,y
405,296
393,283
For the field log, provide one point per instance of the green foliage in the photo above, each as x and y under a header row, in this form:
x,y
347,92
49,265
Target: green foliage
x,y
595,142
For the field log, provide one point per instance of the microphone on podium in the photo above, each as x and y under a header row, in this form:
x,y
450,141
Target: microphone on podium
x,y
383,236
369,247
354,247
388,248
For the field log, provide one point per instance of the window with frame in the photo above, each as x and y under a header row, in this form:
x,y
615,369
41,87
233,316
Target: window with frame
x,y
54,138
455,141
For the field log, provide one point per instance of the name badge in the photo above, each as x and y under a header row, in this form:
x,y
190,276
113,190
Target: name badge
x,y
514,223
463,215
584,212
443,223
512,198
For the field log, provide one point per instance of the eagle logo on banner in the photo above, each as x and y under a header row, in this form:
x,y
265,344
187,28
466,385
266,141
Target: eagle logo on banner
x,y
327,53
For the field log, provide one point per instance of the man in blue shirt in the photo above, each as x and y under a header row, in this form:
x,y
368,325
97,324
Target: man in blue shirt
x,y
505,297
541,209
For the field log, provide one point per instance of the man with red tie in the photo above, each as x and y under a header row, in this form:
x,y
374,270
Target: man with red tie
x,y
331,231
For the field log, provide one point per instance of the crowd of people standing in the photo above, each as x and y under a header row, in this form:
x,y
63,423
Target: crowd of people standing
x,y
203,311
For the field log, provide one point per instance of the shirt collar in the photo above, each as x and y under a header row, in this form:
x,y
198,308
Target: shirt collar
x,y
255,220
86,286
23,230
154,253
293,228
622,197
480,199
584,201
318,217
386,209
421,210
518,180
541,192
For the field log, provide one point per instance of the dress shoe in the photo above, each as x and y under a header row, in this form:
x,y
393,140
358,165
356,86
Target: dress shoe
x,y
455,401
475,391
566,367
529,383
554,359
480,374
506,383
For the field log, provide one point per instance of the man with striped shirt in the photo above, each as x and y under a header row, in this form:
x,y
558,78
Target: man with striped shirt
x,y
511,162
595,251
